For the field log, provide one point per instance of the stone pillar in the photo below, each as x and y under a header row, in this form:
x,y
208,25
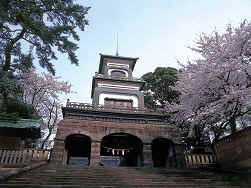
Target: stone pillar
x,y
95,153
171,158
65,157
57,154
147,154
180,157
22,145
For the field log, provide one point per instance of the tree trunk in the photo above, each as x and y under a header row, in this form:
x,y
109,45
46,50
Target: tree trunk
x,y
232,125
46,139
216,136
9,48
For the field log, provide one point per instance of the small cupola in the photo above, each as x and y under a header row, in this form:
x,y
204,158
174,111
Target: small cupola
x,y
113,85
116,66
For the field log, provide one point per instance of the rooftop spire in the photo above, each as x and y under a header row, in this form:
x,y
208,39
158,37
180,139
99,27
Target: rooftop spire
x,y
117,48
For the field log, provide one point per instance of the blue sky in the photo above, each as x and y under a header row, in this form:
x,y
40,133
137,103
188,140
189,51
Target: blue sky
x,y
156,31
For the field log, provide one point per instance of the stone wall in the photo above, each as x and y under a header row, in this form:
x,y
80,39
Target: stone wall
x,y
96,130
234,151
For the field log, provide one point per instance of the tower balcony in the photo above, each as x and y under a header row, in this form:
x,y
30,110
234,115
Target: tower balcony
x,y
105,108
102,76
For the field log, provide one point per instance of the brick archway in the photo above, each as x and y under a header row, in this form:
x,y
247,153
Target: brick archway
x,y
121,149
78,149
96,130
77,132
163,152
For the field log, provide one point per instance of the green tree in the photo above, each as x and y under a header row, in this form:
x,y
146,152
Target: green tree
x,y
9,85
158,88
46,25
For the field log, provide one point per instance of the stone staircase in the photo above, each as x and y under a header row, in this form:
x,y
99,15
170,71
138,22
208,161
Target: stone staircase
x,y
71,176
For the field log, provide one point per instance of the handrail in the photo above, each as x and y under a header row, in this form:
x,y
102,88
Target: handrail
x,y
118,78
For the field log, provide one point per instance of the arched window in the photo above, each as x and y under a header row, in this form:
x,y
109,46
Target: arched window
x,y
117,73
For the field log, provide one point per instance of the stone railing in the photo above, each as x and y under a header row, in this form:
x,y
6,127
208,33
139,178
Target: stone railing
x,y
200,160
90,107
117,78
12,157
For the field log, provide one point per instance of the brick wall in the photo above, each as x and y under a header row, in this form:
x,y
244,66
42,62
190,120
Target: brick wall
x,y
96,130
234,151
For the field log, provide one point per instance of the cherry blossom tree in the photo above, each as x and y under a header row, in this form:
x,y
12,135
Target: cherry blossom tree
x,y
43,92
52,116
216,89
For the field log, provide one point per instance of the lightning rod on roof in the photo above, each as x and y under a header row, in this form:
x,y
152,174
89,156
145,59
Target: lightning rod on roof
x,y
117,48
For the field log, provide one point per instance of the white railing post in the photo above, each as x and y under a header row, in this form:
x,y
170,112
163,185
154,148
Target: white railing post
x,y
199,160
15,157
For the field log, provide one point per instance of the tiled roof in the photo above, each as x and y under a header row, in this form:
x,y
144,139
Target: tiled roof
x,y
22,123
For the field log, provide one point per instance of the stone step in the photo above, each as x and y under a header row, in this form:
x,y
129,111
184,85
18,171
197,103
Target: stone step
x,y
108,183
109,186
138,174
105,173
79,176
112,180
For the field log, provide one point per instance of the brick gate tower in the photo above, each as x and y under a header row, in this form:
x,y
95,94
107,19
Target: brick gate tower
x,y
116,129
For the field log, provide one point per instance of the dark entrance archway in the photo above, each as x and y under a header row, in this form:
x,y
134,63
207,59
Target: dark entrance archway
x,y
78,149
121,149
163,153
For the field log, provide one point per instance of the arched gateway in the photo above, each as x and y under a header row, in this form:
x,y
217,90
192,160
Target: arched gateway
x,y
121,149
78,148
163,153
116,129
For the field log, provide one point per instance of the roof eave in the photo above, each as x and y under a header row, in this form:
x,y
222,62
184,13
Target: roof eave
x,y
102,56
